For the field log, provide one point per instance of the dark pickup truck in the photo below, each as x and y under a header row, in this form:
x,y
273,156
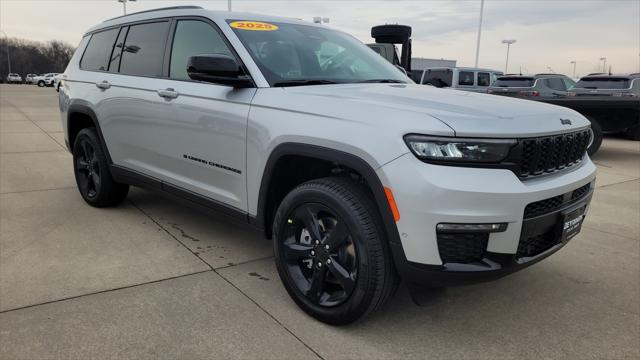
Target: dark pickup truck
x,y
610,102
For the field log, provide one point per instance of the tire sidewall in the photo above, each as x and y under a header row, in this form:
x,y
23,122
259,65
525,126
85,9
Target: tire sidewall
x,y
359,300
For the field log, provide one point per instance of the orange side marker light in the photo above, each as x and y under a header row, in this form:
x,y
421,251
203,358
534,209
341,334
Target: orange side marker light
x,y
392,204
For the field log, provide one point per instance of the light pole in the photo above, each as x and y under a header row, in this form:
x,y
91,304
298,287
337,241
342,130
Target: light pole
x,y
574,68
229,5
479,32
8,51
604,64
124,5
508,42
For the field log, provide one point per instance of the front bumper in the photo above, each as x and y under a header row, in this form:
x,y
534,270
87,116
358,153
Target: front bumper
x,y
429,194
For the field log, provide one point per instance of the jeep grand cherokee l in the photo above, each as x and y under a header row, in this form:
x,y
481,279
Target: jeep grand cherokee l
x,y
359,176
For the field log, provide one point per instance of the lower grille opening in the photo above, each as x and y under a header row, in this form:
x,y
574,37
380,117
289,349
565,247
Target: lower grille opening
x,y
538,244
463,248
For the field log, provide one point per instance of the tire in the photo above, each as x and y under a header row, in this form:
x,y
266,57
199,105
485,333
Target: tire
x,y
355,274
91,169
40,83
633,132
597,136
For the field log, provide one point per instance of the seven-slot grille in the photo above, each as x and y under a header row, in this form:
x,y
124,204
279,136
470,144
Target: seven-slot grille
x,y
552,153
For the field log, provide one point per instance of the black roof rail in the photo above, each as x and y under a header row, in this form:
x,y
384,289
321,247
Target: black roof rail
x,y
184,7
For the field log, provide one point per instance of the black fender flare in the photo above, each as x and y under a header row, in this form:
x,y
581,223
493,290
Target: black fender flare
x,y
335,156
83,107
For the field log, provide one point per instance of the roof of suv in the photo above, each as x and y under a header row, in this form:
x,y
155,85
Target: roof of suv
x,y
534,76
192,11
605,76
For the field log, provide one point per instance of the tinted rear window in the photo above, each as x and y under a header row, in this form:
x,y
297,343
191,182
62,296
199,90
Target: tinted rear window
x,y
96,56
438,78
144,48
604,83
484,79
514,82
556,84
465,78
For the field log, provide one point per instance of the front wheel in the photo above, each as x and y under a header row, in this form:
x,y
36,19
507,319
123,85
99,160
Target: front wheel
x,y
331,251
91,170
596,140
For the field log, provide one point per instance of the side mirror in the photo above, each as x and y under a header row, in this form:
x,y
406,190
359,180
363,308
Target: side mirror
x,y
219,69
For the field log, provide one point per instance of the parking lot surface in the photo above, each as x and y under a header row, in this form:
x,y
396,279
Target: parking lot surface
x,y
154,278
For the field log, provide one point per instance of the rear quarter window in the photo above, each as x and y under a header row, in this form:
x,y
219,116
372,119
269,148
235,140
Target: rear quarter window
x,y
96,55
438,78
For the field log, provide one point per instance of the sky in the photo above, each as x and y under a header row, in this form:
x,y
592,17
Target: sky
x,y
549,34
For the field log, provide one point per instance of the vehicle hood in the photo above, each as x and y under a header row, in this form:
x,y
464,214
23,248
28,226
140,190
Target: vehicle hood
x,y
466,113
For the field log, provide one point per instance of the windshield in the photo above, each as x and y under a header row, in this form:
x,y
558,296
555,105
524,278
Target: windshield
x,y
604,83
514,82
294,54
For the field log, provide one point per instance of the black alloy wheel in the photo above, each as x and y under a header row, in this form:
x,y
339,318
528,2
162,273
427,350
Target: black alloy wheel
x,y
91,169
88,169
320,255
331,250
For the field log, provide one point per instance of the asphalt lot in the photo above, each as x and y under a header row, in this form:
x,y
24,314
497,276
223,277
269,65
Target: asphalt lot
x,y
155,279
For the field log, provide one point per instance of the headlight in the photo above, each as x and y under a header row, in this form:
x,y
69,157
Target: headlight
x,y
460,150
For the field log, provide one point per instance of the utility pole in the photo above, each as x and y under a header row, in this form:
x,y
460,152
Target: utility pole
x,y
508,42
124,5
574,68
479,32
8,51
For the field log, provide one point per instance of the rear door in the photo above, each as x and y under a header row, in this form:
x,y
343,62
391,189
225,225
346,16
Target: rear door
x,y
131,111
204,146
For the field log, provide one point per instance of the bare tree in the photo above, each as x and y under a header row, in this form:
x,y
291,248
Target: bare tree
x,y
34,57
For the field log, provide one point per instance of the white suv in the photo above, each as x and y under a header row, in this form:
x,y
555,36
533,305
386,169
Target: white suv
x,y
358,175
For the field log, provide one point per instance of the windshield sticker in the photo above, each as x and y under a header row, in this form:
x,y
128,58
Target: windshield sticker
x,y
253,25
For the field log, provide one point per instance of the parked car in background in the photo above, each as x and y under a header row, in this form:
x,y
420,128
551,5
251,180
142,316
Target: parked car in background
x,y
14,78
459,78
57,82
29,79
608,85
45,80
532,86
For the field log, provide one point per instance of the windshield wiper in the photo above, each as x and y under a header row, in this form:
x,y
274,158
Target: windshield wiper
x,y
383,81
302,82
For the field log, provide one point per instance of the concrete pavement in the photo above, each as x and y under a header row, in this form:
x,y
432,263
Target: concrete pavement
x,y
153,278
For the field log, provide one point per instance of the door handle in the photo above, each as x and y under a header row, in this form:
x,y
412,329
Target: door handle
x,y
104,85
168,93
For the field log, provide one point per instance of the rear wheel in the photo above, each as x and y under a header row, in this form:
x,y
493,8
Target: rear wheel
x,y
597,136
91,169
331,252
40,83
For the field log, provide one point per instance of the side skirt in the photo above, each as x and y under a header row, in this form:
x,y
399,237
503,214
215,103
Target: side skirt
x,y
126,176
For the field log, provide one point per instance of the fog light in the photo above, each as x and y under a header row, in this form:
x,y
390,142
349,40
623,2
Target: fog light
x,y
448,227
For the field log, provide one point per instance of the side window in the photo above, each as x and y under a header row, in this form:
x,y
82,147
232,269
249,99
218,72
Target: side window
x,y
96,55
484,79
465,78
193,37
116,54
556,84
570,84
143,51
